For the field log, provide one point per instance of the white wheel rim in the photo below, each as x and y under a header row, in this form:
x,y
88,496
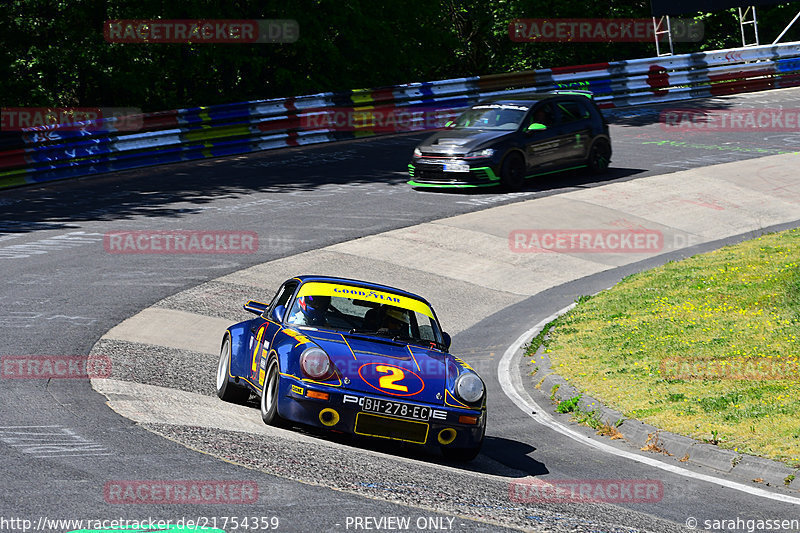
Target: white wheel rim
x,y
222,367
270,393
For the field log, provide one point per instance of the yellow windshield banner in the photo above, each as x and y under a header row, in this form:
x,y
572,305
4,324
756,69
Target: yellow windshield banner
x,y
315,288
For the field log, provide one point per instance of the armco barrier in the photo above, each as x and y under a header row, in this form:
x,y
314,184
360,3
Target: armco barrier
x,y
49,153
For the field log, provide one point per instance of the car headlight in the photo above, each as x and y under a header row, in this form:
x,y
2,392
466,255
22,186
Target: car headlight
x,y
417,152
488,152
315,363
469,387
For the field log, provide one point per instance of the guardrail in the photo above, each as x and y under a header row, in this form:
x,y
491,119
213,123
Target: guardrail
x,y
51,153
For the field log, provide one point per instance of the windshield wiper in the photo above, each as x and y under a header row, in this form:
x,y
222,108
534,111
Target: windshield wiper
x,y
381,333
415,340
439,345
398,338
357,330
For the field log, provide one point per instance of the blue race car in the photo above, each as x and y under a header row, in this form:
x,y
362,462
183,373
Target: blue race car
x,y
355,357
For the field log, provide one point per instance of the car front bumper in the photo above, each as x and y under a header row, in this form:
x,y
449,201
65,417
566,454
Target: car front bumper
x,y
432,173
343,412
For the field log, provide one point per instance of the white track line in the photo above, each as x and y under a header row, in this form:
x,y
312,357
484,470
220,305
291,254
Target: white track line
x,y
515,392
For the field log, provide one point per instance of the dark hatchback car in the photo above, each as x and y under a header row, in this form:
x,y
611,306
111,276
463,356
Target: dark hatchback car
x,y
503,142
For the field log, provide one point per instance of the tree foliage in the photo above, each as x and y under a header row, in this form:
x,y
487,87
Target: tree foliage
x,y
52,52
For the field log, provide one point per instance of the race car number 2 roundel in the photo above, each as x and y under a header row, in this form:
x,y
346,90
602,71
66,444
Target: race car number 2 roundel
x,y
391,379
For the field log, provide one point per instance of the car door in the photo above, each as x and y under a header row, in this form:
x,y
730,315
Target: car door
x,y
574,125
263,331
541,148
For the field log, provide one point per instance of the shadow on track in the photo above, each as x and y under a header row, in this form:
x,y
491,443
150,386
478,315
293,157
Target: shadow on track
x,y
510,453
150,191
293,172
656,113
550,183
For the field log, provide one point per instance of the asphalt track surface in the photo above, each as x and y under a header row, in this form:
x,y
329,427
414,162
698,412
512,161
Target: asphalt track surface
x,y
61,291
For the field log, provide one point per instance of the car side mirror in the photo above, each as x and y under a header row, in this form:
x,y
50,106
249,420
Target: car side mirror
x,y
447,340
277,314
536,126
255,307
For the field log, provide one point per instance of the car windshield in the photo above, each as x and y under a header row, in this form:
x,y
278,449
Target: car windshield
x,y
360,310
492,117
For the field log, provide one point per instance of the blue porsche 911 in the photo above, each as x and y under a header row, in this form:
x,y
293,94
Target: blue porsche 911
x,y
358,358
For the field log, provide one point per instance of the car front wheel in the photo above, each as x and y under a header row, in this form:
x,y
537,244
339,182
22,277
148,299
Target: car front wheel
x,y
512,173
461,455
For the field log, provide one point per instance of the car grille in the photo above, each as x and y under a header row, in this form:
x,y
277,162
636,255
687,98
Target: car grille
x,y
386,427
433,172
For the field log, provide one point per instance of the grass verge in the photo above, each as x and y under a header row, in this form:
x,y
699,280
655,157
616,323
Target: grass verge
x,y
706,347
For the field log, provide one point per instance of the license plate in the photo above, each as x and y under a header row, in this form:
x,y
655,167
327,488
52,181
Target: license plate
x,y
456,167
402,410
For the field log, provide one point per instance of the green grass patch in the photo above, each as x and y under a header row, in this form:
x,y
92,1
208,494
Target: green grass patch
x,y
722,311
568,406
581,415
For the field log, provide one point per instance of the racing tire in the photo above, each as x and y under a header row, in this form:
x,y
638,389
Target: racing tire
x,y
269,394
599,157
512,173
230,392
461,455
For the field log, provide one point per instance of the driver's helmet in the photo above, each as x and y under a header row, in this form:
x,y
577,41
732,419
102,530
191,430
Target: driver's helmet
x,y
396,320
542,116
311,310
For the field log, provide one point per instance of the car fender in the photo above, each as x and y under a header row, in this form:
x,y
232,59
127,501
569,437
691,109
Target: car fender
x,y
240,341
455,367
288,346
512,151
288,357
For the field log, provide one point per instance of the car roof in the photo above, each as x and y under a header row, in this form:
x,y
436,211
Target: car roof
x,y
359,283
530,101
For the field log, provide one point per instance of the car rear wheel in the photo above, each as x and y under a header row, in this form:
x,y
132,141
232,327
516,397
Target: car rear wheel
x,y
599,156
226,390
512,173
269,394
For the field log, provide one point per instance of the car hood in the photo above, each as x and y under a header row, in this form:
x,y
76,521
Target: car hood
x,y
460,141
382,367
